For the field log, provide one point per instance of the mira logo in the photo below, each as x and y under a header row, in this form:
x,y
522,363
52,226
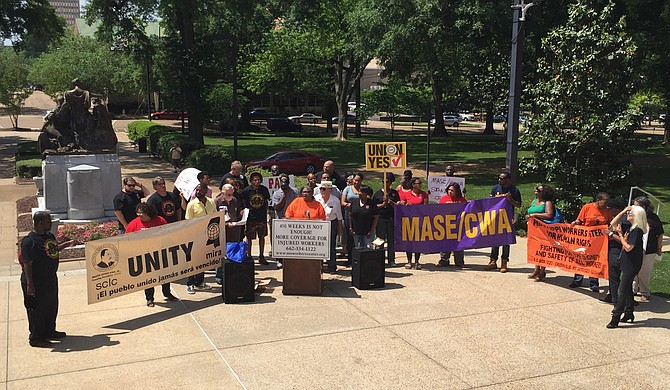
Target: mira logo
x,y
214,231
105,257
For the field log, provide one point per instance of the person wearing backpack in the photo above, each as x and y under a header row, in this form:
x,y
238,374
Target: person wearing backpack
x,y
39,259
543,208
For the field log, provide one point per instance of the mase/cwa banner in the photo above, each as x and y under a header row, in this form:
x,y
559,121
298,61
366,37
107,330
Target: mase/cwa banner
x,y
132,262
431,228
576,249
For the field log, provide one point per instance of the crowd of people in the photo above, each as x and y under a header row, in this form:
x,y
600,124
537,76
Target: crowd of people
x,y
358,217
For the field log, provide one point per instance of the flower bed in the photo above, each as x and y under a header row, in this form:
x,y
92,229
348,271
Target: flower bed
x,y
87,232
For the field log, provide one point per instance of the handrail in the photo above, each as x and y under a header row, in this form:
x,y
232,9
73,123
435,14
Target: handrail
x,y
630,197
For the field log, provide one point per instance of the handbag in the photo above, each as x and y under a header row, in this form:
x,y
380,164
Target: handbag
x,y
237,251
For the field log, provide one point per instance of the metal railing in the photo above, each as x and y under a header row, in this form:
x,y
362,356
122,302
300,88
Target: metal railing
x,y
630,197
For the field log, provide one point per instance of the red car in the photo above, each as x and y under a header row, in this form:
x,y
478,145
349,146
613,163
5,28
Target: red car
x,y
291,161
169,114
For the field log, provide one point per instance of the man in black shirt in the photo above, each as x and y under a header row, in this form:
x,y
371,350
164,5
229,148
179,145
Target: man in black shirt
x,y
235,173
386,199
256,197
334,177
127,200
615,205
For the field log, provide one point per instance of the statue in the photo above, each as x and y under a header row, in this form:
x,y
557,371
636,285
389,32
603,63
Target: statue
x,y
72,128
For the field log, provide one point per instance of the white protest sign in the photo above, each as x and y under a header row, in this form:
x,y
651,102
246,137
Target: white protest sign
x,y
437,185
187,181
273,183
300,239
132,262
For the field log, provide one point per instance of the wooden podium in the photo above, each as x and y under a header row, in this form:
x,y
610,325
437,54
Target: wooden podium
x,y
302,276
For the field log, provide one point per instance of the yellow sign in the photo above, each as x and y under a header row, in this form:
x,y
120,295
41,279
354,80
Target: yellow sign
x,y
385,155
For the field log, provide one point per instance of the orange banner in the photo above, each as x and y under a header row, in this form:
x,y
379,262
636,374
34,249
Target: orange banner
x,y
575,249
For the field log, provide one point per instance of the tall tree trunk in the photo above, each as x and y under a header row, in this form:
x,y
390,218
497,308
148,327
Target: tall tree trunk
x,y
184,18
439,130
489,120
666,124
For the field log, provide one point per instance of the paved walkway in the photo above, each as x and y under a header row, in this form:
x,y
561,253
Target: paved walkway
x,y
438,328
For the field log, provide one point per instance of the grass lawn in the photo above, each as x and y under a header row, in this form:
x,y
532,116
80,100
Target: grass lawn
x,y
482,155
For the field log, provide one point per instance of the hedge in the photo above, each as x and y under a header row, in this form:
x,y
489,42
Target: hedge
x,y
28,167
211,159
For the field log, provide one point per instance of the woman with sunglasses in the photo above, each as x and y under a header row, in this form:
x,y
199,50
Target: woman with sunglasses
x,y
541,208
414,197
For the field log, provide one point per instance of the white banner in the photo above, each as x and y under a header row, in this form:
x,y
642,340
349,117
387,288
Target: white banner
x,y
132,262
300,239
273,183
187,181
437,186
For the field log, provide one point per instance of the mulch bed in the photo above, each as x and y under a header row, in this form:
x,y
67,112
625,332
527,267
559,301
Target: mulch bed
x,y
24,223
25,205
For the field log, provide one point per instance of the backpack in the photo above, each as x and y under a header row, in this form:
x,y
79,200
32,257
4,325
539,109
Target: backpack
x,y
558,217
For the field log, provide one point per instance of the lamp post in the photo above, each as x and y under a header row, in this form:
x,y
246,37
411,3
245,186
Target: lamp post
x,y
519,17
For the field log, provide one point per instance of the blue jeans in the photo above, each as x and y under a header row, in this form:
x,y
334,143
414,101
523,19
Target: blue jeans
x,y
362,240
593,282
196,280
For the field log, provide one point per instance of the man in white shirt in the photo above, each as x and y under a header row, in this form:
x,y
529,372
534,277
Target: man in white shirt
x,y
331,204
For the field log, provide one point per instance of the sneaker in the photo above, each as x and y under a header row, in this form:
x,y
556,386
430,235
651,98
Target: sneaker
x,y
41,343
150,303
57,335
595,288
204,286
262,261
190,289
280,265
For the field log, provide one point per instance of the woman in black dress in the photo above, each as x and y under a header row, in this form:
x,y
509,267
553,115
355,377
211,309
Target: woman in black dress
x,y
631,261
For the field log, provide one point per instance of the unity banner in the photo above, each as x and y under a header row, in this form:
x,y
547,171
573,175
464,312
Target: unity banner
x,y
132,262
432,228
575,249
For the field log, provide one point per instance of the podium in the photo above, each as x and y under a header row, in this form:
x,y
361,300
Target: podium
x,y
302,276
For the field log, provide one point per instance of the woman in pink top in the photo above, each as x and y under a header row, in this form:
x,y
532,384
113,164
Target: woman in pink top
x,y
414,197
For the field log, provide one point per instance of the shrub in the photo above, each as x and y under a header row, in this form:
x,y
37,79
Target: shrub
x,y
88,232
27,149
166,141
145,129
212,159
28,167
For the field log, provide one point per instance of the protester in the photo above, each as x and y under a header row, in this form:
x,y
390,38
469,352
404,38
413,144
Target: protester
x,y
513,195
331,205
147,217
363,218
127,200
454,195
349,196
449,172
542,208
280,200
235,173
39,282
592,214
631,262
256,198
311,181
334,191
653,249
333,176
236,187
199,207
386,199
305,207
165,203
405,185
175,156
615,206
226,201
274,170
415,196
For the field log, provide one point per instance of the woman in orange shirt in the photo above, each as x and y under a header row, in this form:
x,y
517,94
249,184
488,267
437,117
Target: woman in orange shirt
x,y
306,207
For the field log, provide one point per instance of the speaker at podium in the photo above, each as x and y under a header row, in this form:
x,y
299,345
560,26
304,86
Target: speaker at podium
x,y
367,268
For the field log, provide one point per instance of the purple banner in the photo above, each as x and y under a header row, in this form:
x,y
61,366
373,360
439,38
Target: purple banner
x,y
431,228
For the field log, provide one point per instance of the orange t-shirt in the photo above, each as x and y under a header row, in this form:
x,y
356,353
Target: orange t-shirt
x,y
299,209
591,215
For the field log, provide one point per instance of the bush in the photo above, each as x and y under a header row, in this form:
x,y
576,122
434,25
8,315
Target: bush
x,y
211,159
27,149
166,141
146,129
28,167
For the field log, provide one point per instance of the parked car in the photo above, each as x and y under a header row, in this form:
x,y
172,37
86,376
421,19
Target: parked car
x,y
283,125
449,120
350,119
466,117
305,117
351,106
291,161
169,114
261,114
661,118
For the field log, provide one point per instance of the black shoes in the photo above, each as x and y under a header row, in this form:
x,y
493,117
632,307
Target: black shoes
x,y
262,261
57,335
614,323
628,317
606,299
41,343
574,285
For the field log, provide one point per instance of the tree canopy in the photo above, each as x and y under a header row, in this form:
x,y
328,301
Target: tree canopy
x,y
34,19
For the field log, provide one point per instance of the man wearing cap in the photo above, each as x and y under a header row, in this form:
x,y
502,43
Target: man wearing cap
x,y
331,205
386,199
256,198
334,177
280,200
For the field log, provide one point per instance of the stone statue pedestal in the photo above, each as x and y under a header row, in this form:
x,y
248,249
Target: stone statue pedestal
x,y
81,187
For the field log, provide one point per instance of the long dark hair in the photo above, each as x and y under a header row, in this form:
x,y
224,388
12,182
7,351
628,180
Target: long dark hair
x,y
457,188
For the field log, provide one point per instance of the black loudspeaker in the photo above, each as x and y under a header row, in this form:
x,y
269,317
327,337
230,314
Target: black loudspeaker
x,y
367,268
238,282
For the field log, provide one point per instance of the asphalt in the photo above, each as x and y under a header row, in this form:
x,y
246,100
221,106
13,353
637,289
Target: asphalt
x,y
436,328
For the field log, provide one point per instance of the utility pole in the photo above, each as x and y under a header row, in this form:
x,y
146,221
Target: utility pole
x,y
518,19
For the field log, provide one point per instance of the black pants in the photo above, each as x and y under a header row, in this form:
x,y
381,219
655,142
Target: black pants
x,y
332,259
42,318
614,272
386,231
149,293
495,250
625,302
459,257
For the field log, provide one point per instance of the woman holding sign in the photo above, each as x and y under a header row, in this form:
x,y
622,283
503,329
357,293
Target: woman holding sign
x,y
541,208
414,197
631,261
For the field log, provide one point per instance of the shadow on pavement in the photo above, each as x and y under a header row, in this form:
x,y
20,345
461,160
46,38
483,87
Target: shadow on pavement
x,y
74,343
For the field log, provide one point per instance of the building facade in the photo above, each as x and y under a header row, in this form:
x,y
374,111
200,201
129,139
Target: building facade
x,y
68,9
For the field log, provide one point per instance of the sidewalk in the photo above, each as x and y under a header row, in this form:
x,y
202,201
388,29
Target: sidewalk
x,y
437,328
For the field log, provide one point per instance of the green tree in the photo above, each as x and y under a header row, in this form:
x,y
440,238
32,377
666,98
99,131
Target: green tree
x,y
101,70
33,19
14,88
395,98
580,137
647,103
